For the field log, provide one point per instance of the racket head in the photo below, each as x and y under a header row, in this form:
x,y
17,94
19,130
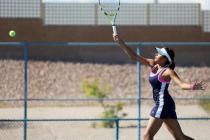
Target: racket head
x,y
109,7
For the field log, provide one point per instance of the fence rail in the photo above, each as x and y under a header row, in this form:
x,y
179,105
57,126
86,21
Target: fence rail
x,y
95,99
103,44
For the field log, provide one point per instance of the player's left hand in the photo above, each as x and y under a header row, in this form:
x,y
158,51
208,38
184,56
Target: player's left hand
x,y
199,85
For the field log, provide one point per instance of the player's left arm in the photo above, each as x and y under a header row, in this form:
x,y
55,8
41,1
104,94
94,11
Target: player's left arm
x,y
185,86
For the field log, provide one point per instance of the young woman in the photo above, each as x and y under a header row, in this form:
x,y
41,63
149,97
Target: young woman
x,y
162,72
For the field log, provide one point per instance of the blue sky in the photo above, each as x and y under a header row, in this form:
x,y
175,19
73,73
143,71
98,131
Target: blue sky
x,y
204,3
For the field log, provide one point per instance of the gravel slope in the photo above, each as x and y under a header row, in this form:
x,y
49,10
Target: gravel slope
x,y
64,80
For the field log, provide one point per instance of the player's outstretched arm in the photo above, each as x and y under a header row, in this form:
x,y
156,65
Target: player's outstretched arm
x,y
132,54
186,86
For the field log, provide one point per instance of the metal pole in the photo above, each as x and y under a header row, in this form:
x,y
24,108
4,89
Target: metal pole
x,y
117,129
139,96
25,89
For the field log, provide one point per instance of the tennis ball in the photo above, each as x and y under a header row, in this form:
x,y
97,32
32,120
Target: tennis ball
x,y
12,33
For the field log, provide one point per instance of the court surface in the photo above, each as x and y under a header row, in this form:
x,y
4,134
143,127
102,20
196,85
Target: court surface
x,y
83,130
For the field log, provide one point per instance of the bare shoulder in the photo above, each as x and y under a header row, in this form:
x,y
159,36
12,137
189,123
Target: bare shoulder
x,y
169,71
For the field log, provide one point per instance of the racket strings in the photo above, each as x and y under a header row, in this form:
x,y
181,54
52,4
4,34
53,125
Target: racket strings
x,y
111,7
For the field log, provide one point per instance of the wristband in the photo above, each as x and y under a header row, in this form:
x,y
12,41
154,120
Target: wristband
x,y
192,87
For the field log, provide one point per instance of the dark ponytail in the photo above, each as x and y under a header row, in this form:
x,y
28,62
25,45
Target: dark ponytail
x,y
172,65
171,53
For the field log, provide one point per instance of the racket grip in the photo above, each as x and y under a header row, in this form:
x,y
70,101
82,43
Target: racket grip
x,y
114,30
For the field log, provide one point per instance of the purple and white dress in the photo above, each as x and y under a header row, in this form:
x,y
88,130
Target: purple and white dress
x,y
164,104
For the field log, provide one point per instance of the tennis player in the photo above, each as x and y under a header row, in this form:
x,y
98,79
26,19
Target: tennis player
x,y
162,72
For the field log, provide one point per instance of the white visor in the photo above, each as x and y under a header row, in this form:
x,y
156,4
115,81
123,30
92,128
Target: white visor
x,y
163,52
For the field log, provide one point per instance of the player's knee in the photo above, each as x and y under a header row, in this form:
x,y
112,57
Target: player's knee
x,y
182,137
188,138
148,136
179,137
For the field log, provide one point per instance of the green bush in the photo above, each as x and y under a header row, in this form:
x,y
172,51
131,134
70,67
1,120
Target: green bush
x,y
112,111
206,105
93,88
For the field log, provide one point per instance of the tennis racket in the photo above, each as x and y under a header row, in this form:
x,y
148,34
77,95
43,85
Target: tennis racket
x,y
110,9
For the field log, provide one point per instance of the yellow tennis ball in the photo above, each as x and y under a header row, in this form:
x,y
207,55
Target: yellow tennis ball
x,y
12,33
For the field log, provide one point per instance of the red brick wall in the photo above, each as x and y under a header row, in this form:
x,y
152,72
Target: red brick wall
x,y
35,30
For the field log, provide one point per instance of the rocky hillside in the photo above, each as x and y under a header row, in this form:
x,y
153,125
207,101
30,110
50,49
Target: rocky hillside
x,y
64,80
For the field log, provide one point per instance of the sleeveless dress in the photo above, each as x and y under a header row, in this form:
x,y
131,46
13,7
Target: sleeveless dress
x,y
164,104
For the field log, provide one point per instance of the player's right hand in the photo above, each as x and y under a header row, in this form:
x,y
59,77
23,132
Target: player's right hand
x,y
115,37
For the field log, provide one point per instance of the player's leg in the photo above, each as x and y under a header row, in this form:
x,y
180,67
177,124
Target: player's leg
x,y
175,129
153,126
